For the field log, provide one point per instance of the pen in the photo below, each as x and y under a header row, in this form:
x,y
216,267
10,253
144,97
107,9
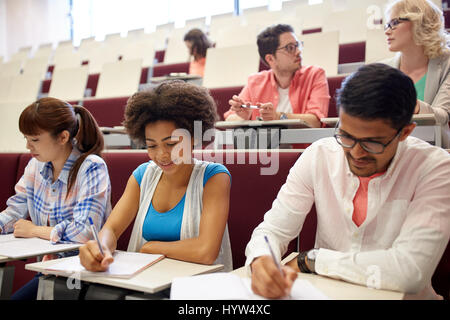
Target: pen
x,y
94,231
273,255
275,259
249,107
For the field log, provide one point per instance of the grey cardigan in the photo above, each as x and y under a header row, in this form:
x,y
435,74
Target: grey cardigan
x,y
437,91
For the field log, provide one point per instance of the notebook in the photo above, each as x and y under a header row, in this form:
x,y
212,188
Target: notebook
x,y
125,265
228,286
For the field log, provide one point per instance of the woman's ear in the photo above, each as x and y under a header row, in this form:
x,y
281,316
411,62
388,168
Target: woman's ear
x,y
64,137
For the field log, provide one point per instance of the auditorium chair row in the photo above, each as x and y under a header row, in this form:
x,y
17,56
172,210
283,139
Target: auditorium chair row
x,y
109,112
348,53
246,208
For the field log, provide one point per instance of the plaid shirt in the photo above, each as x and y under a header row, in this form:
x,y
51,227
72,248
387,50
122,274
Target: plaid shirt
x,y
48,204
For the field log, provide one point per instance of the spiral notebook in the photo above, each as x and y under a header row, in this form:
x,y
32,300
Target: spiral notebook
x,y
125,265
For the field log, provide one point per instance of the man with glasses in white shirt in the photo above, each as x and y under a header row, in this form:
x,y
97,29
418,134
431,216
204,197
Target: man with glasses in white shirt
x,y
381,197
288,90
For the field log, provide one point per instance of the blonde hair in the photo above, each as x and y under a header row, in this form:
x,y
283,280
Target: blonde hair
x,y
428,24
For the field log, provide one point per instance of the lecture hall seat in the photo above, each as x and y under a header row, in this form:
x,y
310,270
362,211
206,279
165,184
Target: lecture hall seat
x,y
108,112
221,96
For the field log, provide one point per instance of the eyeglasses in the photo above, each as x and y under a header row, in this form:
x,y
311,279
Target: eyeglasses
x,y
394,23
291,48
368,145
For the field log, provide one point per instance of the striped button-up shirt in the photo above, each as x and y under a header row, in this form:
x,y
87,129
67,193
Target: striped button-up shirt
x,y
47,203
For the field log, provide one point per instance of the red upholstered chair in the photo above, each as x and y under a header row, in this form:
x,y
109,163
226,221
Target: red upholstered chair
x,y
307,31
352,52
221,96
159,55
263,66
92,83
21,276
9,162
252,193
166,69
120,167
441,276
447,18
108,112
334,83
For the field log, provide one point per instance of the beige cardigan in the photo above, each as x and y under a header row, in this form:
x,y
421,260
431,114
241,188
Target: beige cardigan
x,y
437,91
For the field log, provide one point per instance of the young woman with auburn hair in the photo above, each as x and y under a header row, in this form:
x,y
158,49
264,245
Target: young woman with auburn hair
x,y
66,181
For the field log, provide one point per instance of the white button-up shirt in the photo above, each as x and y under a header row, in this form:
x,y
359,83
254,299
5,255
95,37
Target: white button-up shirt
x,y
406,230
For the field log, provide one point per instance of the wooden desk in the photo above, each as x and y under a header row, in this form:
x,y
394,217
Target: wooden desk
x,y
152,280
337,289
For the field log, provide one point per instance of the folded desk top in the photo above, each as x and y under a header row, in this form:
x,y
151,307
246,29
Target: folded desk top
x,y
155,278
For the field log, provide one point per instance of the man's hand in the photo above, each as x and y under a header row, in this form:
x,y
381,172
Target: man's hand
x,y
268,281
236,103
267,111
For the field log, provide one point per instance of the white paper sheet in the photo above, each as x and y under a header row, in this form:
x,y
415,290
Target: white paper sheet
x,y
228,286
125,265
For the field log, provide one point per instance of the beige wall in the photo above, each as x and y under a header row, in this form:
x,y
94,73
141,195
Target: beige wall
x,y
32,22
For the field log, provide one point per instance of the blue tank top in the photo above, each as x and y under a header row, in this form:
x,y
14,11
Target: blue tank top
x,y
166,226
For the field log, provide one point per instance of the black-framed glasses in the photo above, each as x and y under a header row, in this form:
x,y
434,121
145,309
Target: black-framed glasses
x,y
394,23
368,145
291,48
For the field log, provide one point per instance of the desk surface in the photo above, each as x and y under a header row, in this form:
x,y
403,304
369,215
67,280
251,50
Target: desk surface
x,y
155,278
175,76
422,119
24,248
289,123
337,289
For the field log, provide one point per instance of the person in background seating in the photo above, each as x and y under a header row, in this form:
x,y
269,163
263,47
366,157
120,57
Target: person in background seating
x,y
288,90
197,43
415,29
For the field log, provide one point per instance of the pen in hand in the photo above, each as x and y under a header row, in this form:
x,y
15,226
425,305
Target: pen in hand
x,y
94,232
274,258
273,255
249,107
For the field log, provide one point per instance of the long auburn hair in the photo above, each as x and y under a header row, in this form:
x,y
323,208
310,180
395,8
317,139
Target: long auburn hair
x,y
54,116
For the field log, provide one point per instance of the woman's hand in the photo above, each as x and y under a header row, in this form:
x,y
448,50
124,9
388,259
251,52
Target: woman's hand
x,y
92,259
24,229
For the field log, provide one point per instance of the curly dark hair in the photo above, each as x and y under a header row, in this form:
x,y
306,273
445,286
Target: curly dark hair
x,y
177,101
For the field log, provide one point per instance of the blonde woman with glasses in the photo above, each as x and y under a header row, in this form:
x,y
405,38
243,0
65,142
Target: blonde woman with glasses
x,y
415,29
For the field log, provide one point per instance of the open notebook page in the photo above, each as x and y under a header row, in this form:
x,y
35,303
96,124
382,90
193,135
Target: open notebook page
x,y
125,265
228,286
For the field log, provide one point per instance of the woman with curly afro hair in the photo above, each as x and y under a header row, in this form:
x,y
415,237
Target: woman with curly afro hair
x,y
180,203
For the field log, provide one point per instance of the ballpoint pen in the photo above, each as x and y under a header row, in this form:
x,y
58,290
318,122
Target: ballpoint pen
x,y
94,232
275,259
249,107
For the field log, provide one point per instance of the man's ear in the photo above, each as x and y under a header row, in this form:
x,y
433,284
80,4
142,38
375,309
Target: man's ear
x,y
270,58
407,131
